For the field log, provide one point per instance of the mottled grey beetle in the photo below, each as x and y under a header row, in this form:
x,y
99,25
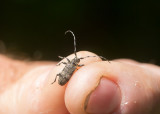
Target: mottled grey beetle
x,y
70,65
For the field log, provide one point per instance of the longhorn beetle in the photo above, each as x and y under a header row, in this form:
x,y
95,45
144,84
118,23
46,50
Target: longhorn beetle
x,y
70,65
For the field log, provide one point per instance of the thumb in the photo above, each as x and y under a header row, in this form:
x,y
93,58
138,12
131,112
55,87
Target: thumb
x,y
105,88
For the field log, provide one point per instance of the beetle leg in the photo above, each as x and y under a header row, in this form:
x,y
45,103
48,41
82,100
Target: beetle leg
x,y
61,63
103,58
64,58
81,65
95,56
61,57
55,79
87,57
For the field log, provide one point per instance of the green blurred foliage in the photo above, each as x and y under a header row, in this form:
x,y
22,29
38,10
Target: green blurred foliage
x,y
114,29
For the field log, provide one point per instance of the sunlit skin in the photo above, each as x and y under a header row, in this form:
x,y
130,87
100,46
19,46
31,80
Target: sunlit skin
x,y
120,86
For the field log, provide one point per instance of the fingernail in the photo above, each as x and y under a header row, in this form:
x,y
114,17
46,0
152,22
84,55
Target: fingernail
x,y
104,99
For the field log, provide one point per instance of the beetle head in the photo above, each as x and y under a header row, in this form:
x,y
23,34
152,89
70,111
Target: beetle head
x,y
76,61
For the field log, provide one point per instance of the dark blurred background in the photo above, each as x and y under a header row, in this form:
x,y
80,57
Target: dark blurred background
x,y
112,28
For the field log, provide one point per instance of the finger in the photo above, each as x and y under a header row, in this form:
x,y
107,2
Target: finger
x,y
124,89
147,66
34,93
127,61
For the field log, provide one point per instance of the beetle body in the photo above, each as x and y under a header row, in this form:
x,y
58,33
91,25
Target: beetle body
x,y
70,65
67,71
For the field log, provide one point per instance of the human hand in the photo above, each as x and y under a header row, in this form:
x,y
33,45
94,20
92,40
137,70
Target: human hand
x,y
119,87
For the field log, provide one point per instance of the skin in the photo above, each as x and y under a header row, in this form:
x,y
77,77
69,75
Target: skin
x,y
129,87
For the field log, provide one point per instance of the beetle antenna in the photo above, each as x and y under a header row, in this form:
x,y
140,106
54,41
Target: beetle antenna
x,y
74,41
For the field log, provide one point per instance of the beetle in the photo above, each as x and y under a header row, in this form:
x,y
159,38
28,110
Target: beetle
x,y
70,65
